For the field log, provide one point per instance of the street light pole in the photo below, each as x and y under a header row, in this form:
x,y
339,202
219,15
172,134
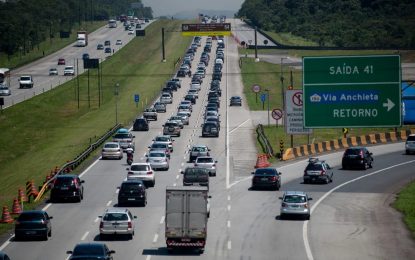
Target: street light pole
x,y
267,90
282,86
116,102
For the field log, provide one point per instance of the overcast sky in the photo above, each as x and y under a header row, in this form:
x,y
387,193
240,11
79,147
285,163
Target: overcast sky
x,y
171,7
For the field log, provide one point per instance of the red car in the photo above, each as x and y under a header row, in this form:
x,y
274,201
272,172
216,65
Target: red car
x,y
61,61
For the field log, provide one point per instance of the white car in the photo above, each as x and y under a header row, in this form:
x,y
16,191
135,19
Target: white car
x,y
158,160
165,139
131,31
196,86
185,117
142,171
4,90
118,42
194,92
177,119
166,98
69,71
206,162
117,221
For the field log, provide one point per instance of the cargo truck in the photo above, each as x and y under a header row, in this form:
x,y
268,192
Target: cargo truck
x,y
187,212
82,39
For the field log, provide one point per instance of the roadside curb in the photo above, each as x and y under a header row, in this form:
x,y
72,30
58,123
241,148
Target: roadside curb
x,y
342,143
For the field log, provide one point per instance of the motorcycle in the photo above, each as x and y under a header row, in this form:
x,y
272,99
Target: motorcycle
x,y
130,155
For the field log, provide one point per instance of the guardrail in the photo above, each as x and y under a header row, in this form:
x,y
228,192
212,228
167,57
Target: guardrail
x,y
263,141
71,165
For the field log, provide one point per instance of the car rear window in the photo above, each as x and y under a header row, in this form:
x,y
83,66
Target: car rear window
x,y
24,78
313,167
157,155
199,149
30,216
111,145
195,171
122,136
88,250
139,167
204,160
265,172
63,182
131,187
115,217
294,199
352,152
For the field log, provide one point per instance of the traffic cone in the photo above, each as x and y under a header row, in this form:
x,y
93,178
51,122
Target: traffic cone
x,y
16,209
6,217
34,191
21,196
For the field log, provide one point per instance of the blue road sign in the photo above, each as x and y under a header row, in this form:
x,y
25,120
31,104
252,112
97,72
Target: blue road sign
x,y
263,97
136,98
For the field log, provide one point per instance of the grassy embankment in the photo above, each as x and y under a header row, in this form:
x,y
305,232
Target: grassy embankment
x,y
49,129
50,45
405,203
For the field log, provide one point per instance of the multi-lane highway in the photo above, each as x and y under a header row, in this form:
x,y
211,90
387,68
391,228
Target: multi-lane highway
x,y
351,217
72,55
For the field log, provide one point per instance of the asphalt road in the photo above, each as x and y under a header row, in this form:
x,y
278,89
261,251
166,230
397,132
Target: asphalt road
x,y
353,221
243,32
40,69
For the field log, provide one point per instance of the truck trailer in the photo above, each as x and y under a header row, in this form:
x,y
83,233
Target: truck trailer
x,y
186,217
82,39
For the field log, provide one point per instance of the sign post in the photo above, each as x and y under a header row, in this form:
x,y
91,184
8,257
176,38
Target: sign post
x,y
263,98
352,91
277,115
256,89
136,99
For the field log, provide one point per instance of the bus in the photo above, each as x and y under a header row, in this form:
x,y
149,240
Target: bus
x,y
4,76
112,23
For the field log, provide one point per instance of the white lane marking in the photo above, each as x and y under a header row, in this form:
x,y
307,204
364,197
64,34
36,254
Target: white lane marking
x,y
177,177
241,180
305,234
182,164
109,203
156,236
229,224
87,169
5,244
141,158
162,220
174,184
84,236
229,207
148,257
47,206
184,157
96,220
229,197
117,191
236,128
229,245
144,155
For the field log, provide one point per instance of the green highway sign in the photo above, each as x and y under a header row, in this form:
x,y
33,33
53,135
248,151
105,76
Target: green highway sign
x,y
352,91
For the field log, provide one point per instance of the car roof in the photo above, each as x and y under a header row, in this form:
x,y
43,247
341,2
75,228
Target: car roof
x,y
112,143
116,210
140,164
122,131
300,193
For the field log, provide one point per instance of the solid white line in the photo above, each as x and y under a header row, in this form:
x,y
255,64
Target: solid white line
x,y
229,197
229,245
156,236
229,224
162,220
5,244
148,257
109,203
305,234
182,164
117,191
239,126
229,207
96,220
47,206
84,236
184,157
87,169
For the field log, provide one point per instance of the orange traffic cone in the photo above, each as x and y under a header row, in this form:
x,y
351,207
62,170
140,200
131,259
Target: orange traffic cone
x,y
6,217
21,197
16,209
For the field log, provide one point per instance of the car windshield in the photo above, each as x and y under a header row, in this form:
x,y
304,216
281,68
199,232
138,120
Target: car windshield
x,y
115,217
294,199
88,250
159,145
24,78
111,145
30,216
265,172
204,160
170,125
162,139
199,149
139,167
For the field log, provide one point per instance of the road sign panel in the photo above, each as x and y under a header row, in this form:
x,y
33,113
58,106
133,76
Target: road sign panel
x,y
352,91
206,29
136,98
276,114
256,88
263,97
294,113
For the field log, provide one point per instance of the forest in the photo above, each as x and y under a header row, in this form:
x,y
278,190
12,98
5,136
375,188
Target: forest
x,y
342,23
25,23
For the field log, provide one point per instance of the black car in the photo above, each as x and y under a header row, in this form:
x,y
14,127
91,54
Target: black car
x,y
4,256
173,84
318,171
67,187
91,251
195,176
107,43
85,56
100,46
182,73
33,223
357,157
107,50
131,192
266,178
210,129
214,100
140,124
191,98
217,76
235,101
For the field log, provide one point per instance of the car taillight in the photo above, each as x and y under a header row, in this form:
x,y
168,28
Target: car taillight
x,y
149,172
130,225
361,154
273,178
322,172
101,224
283,205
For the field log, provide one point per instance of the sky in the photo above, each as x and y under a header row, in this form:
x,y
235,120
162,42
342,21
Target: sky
x,y
171,7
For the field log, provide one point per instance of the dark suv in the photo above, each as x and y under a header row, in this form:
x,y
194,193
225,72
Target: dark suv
x,y
317,171
33,223
357,157
195,176
131,192
266,178
67,186
140,124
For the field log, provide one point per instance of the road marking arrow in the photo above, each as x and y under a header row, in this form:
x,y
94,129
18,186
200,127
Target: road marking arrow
x,y
389,105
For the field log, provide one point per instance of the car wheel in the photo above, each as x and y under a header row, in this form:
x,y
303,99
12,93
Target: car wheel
x,y
153,184
371,165
344,167
45,236
282,216
365,166
327,180
50,233
406,152
307,217
331,178
306,181
79,198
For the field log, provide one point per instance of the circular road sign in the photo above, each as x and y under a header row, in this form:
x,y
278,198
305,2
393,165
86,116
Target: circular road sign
x,y
265,41
276,113
256,88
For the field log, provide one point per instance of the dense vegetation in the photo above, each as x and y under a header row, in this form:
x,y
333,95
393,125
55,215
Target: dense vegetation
x,y
26,23
344,23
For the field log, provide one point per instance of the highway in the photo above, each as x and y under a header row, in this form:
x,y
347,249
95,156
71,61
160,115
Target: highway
x,y
243,32
351,217
39,69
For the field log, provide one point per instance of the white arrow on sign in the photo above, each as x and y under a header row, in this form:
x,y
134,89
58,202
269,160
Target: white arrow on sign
x,y
389,104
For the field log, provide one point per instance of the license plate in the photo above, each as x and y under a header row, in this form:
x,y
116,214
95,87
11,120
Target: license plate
x,y
264,179
131,199
294,206
65,188
30,232
185,239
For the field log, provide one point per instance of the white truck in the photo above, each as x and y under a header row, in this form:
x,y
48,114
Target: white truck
x,y
187,212
82,39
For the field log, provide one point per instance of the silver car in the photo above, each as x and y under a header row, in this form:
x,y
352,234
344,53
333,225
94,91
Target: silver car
x,y
112,150
198,150
171,128
206,162
166,98
117,221
184,116
4,90
295,203
165,139
158,160
410,144
178,120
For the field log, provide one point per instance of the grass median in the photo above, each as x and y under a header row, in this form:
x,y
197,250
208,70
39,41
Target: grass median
x,y
405,203
50,129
